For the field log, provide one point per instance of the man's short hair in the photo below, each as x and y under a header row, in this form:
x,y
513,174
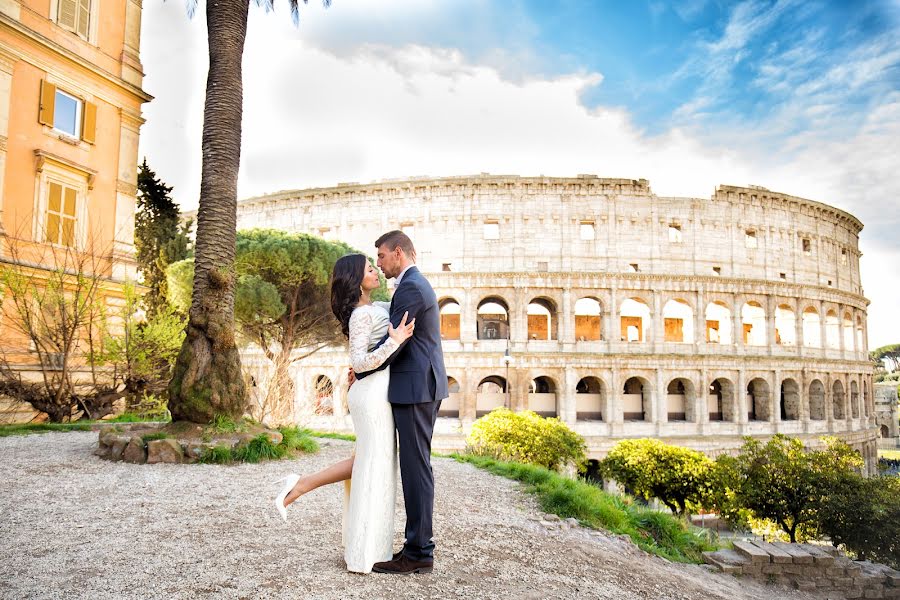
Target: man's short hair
x,y
397,239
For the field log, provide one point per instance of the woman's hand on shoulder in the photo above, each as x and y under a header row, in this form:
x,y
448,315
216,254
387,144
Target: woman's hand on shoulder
x,y
403,331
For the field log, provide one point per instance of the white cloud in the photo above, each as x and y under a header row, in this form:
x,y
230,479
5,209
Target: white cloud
x,y
318,116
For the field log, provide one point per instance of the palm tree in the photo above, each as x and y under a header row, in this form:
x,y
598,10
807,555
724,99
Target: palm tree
x,y
207,379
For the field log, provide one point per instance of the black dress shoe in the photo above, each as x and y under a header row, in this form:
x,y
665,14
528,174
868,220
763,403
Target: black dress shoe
x,y
403,566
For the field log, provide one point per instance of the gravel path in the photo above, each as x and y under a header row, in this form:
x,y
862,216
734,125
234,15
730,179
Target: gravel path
x,y
74,526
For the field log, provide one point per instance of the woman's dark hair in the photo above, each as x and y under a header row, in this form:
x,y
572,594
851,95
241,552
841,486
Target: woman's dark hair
x,y
346,279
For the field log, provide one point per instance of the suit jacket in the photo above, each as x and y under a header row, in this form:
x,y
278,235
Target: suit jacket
x,y
417,367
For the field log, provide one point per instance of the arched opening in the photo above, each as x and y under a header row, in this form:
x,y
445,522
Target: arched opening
x,y
790,400
860,344
636,400
680,399
758,400
542,396
541,319
866,399
489,395
720,402
753,319
816,400
450,318
678,318
450,404
493,319
324,395
848,331
588,320
785,326
832,331
885,432
590,398
635,320
838,400
812,328
854,399
718,324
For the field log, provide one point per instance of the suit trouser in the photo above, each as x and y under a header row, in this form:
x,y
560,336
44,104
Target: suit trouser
x,y
415,425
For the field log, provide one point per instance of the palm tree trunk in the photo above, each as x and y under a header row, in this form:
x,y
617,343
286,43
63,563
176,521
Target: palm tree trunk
x,y
207,379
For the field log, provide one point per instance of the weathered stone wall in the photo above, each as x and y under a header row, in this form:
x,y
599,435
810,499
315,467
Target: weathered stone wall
x,y
886,410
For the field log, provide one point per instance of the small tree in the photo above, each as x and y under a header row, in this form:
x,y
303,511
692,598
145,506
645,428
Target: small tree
x,y
678,477
783,481
159,239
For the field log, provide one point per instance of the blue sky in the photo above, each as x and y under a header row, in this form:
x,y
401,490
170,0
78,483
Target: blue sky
x,y
798,96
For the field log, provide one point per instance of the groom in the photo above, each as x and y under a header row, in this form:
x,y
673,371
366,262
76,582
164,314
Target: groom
x,y
418,384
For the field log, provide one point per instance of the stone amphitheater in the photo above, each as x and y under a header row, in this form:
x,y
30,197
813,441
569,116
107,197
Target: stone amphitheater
x,y
624,313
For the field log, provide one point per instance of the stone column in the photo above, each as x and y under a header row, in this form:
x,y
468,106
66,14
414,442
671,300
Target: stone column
x,y
823,335
123,254
468,319
614,404
566,333
737,329
660,402
740,400
771,306
567,409
612,325
658,328
699,321
132,71
775,398
6,73
798,327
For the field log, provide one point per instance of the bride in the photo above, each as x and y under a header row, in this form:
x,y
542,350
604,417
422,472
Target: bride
x,y
368,532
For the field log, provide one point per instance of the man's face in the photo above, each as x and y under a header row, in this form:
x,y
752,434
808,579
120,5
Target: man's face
x,y
389,261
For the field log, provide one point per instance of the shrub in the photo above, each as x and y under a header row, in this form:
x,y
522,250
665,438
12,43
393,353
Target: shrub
x,y
528,438
863,515
678,477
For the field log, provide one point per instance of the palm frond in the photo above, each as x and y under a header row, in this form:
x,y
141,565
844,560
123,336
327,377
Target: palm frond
x,y
266,4
191,7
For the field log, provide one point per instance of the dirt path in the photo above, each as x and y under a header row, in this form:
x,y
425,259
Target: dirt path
x,y
74,526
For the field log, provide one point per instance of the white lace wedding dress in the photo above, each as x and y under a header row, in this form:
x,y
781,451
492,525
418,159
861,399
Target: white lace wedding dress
x,y
368,531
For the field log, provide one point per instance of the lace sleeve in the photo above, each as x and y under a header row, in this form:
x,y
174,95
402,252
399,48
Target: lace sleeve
x,y
385,305
361,360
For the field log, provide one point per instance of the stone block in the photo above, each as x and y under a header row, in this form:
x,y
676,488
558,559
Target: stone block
x,y
836,572
853,593
873,593
752,552
805,586
798,554
892,592
777,555
752,569
117,448
820,556
134,451
772,569
843,582
164,451
793,569
893,579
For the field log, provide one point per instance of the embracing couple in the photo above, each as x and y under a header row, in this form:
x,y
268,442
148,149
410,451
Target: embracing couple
x,y
404,335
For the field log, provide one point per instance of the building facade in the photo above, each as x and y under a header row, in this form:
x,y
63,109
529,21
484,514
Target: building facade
x,y
624,313
887,414
70,116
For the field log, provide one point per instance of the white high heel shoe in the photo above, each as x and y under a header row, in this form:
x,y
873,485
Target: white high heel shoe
x,y
289,482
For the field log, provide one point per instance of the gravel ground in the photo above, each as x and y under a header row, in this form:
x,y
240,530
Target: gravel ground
x,y
74,526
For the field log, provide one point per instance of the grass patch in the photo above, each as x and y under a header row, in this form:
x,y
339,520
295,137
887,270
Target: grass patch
x,y
29,428
159,435
137,418
889,454
294,441
347,437
656,532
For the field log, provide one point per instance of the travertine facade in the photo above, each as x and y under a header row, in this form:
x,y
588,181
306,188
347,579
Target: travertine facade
x,y
627,314
887,412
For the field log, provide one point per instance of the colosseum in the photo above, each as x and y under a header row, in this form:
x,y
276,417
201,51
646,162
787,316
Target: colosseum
x,y
624,313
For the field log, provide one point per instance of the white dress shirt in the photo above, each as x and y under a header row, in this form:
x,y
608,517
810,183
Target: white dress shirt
x,y
400,276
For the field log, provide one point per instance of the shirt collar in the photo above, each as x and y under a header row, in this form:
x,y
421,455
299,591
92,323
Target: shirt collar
x,y
400,276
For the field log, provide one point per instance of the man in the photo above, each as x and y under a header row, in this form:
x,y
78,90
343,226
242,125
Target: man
x,y
417,386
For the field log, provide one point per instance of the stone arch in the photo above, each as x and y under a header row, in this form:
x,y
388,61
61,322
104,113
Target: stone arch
x,y
832,330
491,393
753,320
884,431
865,399
590,399
681,397
542,396
324,395
785,326
854,399
759,400
812,328
635,319
719,323
450,318
721,402
678,318
542,319
838,400
637,399
493,319
588,319
450,404
816,400
790,400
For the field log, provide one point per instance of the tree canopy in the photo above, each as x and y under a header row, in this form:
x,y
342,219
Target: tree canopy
x,y
890,354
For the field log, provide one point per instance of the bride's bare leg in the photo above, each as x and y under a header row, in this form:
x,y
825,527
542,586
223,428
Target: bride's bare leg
x,y
339,471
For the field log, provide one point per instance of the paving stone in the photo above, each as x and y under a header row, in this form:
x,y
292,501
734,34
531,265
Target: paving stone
x,y
752,552
778,555
799,556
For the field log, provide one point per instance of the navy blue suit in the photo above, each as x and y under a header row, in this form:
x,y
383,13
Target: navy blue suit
x,y
417,386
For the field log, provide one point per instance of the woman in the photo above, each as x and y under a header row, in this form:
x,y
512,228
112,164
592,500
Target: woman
x,y
369,510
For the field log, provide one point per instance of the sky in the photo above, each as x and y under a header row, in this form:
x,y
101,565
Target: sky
x,y
798,96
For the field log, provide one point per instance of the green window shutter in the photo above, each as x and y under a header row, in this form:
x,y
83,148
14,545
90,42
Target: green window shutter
x,y
47,103
89,123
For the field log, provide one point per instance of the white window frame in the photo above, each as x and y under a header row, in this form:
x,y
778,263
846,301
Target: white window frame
x,y
51,171
79,115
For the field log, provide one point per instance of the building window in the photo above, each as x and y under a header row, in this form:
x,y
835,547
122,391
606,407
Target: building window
x,y
74,15
750,238
783,276
633,268
60,221
543,267
67,114
717,271
587,230
675,234
844,257
807,246
409,229
445,267
492,231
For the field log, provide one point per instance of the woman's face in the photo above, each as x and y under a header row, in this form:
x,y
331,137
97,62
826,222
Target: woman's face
x,y
370,278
